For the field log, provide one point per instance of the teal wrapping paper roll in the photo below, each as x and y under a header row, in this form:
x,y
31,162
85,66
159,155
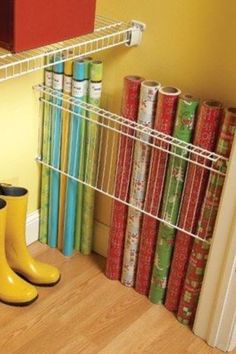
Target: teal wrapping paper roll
x,y
44,198
87,64
78,92
92,140
55,157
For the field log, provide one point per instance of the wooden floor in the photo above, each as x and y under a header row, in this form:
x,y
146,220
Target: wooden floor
x,y
87,313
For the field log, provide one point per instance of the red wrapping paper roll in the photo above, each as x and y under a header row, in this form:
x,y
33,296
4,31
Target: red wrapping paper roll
x,y
130,106
206,134
164,121
200,250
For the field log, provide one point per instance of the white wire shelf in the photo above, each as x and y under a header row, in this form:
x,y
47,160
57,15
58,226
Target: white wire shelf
x,y
111,128
107,34
138,132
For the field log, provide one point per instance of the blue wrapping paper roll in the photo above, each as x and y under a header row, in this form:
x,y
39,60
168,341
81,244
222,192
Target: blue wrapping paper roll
x,y
78,92
55,157
78,232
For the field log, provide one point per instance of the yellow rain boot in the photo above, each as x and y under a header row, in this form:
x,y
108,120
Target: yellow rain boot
x,y
19,259
13,289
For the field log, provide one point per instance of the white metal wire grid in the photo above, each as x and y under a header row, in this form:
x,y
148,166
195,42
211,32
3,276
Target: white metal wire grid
x,y
111,128
107,34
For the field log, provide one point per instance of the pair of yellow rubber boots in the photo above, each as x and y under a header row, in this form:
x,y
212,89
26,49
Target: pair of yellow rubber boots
x,y
14,257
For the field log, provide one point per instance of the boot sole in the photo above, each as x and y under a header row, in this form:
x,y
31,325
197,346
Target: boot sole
x,y
19,304
49,285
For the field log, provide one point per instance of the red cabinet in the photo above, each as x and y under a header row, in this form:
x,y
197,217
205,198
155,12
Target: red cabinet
x,y
27,24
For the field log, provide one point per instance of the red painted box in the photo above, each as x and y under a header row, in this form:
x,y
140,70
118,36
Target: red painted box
x,y
27,24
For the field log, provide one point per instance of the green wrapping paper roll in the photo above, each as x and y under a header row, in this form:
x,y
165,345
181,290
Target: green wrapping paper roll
x,y
91,156
54,193
78,229
199,255
43,233
186,114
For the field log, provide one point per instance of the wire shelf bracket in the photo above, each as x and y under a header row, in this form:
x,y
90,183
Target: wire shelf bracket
x,y
107,34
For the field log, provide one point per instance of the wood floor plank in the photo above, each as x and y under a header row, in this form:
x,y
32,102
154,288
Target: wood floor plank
x,y
89,314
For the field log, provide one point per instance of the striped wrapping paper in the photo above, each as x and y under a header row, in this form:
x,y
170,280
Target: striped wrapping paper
x,y
200,250
55,157
166,109
172,198
46,152
83,124
130,105
91,158
148,99
68,67
78,92
206,133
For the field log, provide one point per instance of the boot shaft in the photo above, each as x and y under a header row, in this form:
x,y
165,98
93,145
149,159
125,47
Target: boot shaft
x,y
16,199
3,213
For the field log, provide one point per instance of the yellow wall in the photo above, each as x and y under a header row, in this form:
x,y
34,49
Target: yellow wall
x,y
188,43
19,134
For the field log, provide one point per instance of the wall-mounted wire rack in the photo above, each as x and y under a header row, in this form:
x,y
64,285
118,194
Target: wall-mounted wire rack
x,y
107,34
111,128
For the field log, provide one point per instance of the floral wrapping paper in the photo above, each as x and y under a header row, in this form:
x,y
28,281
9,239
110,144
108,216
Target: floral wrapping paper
x,y
206,133
148,99
164,121
183,130
130,105
199,254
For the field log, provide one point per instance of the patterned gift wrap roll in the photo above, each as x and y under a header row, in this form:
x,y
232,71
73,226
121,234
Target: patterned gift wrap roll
x,y
78,92
166,110
200,250
206,133
184,124
129,110
68,68
91,157
83,123
148,99
55,157
47,111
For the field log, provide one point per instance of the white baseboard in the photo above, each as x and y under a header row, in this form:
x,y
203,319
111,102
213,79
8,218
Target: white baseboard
x,y
32,227
101,233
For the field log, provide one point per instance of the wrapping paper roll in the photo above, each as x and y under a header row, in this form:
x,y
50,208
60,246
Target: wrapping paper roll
x,y
130,106
91,157
200,250
166,111
206,133
68,70
83,123
55,157
46,147
148,99
175,177
78,92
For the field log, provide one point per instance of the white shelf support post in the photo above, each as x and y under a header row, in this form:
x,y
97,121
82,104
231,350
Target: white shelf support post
x,y
136,34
